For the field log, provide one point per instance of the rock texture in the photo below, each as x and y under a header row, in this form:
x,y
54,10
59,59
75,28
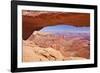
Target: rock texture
x,y
43,46
46,46
35,20
34,53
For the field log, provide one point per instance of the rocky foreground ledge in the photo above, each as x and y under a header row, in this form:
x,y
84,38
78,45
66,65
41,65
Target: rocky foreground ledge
x,y
34,53
42,46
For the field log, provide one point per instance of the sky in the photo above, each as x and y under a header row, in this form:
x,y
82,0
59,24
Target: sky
x,y
65,28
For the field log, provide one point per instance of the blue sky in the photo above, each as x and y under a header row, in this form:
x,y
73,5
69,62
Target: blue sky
x,y
65,28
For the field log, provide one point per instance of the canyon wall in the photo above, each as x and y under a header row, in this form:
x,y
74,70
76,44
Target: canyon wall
x,y
36,20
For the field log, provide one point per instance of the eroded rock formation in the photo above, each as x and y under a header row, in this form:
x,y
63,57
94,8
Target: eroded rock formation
x,y
41,46
44,47
35,20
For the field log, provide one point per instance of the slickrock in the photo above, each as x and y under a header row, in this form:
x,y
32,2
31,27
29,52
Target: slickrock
x,y
32,53
68,46
42,46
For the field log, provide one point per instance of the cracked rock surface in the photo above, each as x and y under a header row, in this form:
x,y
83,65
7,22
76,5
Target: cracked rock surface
x,y
45,47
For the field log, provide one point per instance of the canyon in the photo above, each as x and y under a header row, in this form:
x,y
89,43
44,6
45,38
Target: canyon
x,y
42,42
46,46
35,20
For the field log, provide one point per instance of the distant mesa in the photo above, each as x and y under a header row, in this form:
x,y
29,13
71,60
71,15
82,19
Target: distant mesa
x,y
65,31
65,28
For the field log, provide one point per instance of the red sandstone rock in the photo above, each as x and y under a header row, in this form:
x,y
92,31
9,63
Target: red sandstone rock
x,y
37,20
69,46
34,53
40,46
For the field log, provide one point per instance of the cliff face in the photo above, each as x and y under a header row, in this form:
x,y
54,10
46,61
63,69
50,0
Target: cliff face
x,y
37,20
